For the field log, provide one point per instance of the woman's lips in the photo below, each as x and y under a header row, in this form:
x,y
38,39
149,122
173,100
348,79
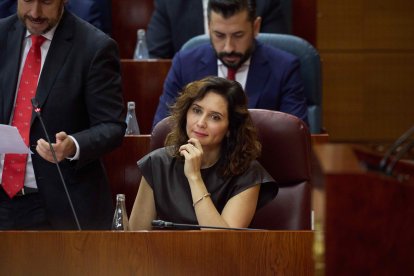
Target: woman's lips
x,y
200,134
231,59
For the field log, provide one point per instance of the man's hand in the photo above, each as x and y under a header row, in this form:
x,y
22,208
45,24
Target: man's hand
x,y
64,147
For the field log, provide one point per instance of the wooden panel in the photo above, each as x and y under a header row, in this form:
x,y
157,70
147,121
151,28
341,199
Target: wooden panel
x,y
365,24
320,138
122,169
143,83
368,217
334,158
156,253
367,48
367,96
369,225
304,20
127,17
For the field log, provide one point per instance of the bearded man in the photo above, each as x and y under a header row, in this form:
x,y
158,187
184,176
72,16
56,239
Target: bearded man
x,y
72,70
270,77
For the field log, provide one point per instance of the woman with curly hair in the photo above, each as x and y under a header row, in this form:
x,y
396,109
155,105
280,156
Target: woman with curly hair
x,y
207,173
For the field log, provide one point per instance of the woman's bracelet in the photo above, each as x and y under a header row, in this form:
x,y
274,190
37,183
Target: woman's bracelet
x,y
201,198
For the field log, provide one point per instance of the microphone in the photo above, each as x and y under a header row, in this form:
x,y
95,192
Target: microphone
x,y
37,110
407,147
167,224
390,151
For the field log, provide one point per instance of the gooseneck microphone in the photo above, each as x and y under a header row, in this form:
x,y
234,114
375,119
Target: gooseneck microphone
x,y
167,224
37,110
403,138
407,147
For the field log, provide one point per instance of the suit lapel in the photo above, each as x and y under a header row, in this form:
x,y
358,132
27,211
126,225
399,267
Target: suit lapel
x,y
258,76
10,67
58,51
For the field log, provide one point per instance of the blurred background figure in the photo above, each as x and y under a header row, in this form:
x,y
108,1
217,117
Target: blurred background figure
x,y
174,22
270,77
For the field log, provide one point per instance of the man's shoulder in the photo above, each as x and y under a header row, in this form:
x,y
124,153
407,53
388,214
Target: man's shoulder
x,y
7,22
204,50
89,34
96,12
200,49
274,57
272,53
82,25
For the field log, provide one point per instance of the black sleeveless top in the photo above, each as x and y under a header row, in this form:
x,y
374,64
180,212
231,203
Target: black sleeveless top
x,y
172,194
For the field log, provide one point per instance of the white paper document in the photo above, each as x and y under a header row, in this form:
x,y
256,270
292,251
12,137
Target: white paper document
x,y
11,141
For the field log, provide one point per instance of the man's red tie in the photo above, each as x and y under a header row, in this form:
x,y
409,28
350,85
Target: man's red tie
x,y
15,164
231,73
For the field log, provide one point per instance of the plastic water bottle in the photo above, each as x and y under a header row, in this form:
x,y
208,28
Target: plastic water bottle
x,y
141,50
120,221
131,120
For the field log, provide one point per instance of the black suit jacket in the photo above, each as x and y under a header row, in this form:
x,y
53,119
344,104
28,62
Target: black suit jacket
x,y
79,92
174,22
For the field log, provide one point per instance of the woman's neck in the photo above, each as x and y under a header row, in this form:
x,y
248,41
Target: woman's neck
x,y
210,157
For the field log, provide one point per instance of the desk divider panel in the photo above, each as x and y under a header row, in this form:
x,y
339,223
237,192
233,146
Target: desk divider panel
x,y
143,83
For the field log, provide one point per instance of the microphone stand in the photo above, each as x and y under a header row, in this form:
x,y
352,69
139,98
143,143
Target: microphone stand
x,y
166,224
397,158
400,140
36,109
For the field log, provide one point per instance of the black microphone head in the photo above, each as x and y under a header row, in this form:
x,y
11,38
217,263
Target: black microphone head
x,y
158,223
401,140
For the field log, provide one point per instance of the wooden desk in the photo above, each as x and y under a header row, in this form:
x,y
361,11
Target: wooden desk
x,y
156,253
369,217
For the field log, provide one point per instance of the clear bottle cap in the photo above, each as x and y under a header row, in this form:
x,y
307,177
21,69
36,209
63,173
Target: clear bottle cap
x,y
131,105
120,197
141,33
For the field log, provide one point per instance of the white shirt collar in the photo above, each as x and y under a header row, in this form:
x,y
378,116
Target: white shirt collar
x,y
49,35
241,75
246,63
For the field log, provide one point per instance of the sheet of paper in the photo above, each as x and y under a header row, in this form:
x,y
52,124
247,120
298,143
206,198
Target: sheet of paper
x,y
11,141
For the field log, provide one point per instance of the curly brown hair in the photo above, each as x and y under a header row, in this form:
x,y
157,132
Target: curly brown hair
x,y
241,146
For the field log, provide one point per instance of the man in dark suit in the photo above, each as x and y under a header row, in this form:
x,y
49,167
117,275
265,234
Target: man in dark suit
x,y
174,22
270,77
79,93
96,12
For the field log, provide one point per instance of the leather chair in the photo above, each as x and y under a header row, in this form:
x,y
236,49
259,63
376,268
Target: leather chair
x,y
286,156
310,69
